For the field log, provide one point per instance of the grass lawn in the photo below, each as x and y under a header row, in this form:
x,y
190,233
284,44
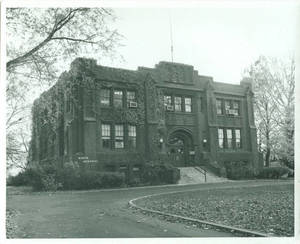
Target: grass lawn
x,y
267,209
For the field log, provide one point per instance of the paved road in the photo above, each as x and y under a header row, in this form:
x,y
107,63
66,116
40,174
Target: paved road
x,y
103,214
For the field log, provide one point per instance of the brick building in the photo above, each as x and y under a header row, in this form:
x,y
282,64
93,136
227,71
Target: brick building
x,y
116,119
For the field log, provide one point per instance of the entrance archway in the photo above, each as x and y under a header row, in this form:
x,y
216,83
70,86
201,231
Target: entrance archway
x,y
181,148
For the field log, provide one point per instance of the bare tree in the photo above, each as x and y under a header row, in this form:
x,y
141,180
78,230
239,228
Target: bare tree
x,y
39,42
274,85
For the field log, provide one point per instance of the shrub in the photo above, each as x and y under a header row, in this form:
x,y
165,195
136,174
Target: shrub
x,y
273,172
238,170
44,178
21,179
48,177
155,174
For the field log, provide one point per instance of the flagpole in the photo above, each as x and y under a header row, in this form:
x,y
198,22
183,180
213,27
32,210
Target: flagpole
x,y
171,36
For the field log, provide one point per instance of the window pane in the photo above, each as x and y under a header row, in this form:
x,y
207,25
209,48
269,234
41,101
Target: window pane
x,y
105,133
227,106
221,138
105,128
229,138
167,101
119,136
132,136
132,130
130,97
177,103
105,97
119,130
118,98
219,106
188,104
238,138
236,106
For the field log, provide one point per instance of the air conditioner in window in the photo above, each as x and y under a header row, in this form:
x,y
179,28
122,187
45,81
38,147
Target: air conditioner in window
x,y
232,112
133,104
170,108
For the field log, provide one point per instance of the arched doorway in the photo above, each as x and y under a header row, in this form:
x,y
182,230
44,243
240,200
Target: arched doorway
x,y
180,148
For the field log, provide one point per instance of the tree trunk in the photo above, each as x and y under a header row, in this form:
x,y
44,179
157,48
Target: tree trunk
x,y
267,159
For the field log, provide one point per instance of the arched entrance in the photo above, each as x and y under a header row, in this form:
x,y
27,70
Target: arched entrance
x,y
181,148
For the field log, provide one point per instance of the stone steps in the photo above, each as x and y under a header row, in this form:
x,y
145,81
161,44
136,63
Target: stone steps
x,y
190,175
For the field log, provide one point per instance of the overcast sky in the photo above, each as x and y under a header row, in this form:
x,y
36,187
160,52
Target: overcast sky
x,y
218,41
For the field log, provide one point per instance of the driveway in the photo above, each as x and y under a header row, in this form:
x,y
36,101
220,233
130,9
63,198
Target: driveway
x,y
103,214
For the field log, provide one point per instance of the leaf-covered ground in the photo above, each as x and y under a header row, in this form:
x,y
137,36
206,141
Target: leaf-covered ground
x,y
267,209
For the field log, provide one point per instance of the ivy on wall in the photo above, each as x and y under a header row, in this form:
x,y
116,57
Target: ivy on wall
x,y
49,111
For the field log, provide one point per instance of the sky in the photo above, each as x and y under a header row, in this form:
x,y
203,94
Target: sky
x,y
219,41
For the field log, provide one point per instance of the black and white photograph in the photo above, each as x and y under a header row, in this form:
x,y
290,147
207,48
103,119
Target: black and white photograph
x,y
162,119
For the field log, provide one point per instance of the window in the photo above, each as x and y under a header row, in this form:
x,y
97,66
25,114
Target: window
x,y
232,107
118,99
130,98
123,167
132,136
119,136
221,138
177,103
105,134
238,138
227,106
229,138
236,107
219,106
136,168
167,101
105,97
188,104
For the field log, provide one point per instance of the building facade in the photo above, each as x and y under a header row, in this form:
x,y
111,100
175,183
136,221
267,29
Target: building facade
x,y
115,119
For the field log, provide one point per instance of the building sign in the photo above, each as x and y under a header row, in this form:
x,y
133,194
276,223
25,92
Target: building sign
x,y
86,159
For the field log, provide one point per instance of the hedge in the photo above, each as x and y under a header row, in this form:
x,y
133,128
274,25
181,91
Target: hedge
x,y
273,172
50,178
238,170
73,177
155,174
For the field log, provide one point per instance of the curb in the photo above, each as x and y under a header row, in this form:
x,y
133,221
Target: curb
x,y
222,226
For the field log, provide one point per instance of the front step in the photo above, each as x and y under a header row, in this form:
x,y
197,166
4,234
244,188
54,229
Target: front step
x,y
192,175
